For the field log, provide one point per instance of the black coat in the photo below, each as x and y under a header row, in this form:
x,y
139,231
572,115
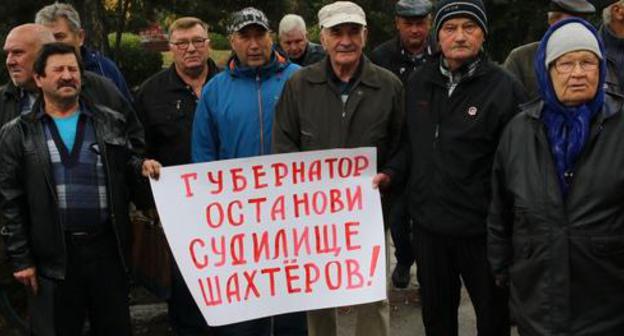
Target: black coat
x,y
564,258
166,107
31,226
390,55
449,145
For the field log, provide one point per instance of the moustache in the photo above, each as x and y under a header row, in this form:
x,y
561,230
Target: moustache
x,y
346,49
67,84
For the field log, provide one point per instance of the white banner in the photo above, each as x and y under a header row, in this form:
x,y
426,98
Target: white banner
x,y
274,234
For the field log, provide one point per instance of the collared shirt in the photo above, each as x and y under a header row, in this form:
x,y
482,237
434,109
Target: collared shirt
x,y
454,78
27,99
344,88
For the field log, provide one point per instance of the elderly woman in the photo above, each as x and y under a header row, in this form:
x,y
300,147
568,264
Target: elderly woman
x,y
556,222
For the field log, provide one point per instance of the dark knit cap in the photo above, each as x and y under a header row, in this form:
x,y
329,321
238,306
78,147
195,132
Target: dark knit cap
x,y
447,9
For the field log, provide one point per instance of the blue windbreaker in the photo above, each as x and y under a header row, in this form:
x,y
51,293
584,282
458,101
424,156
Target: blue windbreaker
x,y
234,117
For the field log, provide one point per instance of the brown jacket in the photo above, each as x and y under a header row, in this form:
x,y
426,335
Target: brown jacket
x,y
310,114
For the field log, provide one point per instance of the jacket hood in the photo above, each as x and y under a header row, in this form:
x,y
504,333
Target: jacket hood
x,y
545,87
276,64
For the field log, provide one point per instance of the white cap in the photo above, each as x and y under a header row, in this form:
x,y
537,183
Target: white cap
x,y
570,37
341,12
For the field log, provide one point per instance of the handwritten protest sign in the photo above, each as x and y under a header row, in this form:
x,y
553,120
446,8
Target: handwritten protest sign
x,y
274,234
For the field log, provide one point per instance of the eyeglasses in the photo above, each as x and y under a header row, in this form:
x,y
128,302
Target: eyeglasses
x,y
198,43
566,67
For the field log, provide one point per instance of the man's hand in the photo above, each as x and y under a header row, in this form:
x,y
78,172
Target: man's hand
x,y
28,277
381,181
151,168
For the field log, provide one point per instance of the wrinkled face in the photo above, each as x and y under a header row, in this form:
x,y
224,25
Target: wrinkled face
x,y
61,80
413,30
252,46
344,43
294,43
460,39
21,51
62,33
189,48
575,77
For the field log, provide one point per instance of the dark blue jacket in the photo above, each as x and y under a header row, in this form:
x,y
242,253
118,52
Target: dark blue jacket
x,y
104,66
234,117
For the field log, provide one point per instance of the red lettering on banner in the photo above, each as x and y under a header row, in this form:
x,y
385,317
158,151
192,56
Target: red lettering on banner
x,y
232,288
260,246
330,162
373,263
199,265
230,213
280,171
258,173
187,183
314,173
361,164
335,204
237,249
355,279
326,243
301,241
219,220
298,172
312,275
217,251
333,284
251,286
218,180
239,182
278,209
345,167
214,295
271,272
291,278
354,201
258,203
300,200
280,241
319,202
351,229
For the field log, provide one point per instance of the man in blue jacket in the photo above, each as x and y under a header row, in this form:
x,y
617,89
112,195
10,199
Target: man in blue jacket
x,y
234,120
64,22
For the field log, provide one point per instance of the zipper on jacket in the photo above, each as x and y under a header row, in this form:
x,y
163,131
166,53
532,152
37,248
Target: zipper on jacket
x,y
259,90
436,135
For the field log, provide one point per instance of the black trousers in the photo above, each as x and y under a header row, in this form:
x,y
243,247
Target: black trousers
x,y
184,315
443,263
400,230
95,286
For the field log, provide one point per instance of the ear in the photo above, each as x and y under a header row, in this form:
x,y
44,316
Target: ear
x,y
37,79
322,38
81,36
396,22
364,37
617,12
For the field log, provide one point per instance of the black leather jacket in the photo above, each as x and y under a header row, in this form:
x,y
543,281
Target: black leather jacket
x,y
28,201
564,258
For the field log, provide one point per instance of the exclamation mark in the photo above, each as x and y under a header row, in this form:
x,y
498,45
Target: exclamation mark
x,y
373,264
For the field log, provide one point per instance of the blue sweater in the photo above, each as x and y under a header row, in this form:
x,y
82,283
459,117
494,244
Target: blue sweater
x,y
234,117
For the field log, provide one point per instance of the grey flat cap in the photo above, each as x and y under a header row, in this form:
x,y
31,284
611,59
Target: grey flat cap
x,y
409,8
572,6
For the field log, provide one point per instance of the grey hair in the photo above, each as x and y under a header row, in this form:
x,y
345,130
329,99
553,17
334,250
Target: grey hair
x,y
606,12
53,12
291,22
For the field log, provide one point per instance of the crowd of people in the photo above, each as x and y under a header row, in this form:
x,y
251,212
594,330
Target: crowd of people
x,y
503,179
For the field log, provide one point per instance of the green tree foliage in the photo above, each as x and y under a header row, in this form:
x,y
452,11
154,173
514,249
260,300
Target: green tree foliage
x,y
136,63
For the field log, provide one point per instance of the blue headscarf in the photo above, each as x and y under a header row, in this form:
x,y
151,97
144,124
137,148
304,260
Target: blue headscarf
x,y
567,127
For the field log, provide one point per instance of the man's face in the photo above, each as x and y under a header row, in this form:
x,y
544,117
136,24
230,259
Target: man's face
x,y
344,43
575,77
460,40
61,80
62,33
294,43
21,51
189,48
554,17
413,30
252,46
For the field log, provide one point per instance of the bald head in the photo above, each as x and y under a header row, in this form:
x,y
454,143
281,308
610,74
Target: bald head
x,y
21,48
